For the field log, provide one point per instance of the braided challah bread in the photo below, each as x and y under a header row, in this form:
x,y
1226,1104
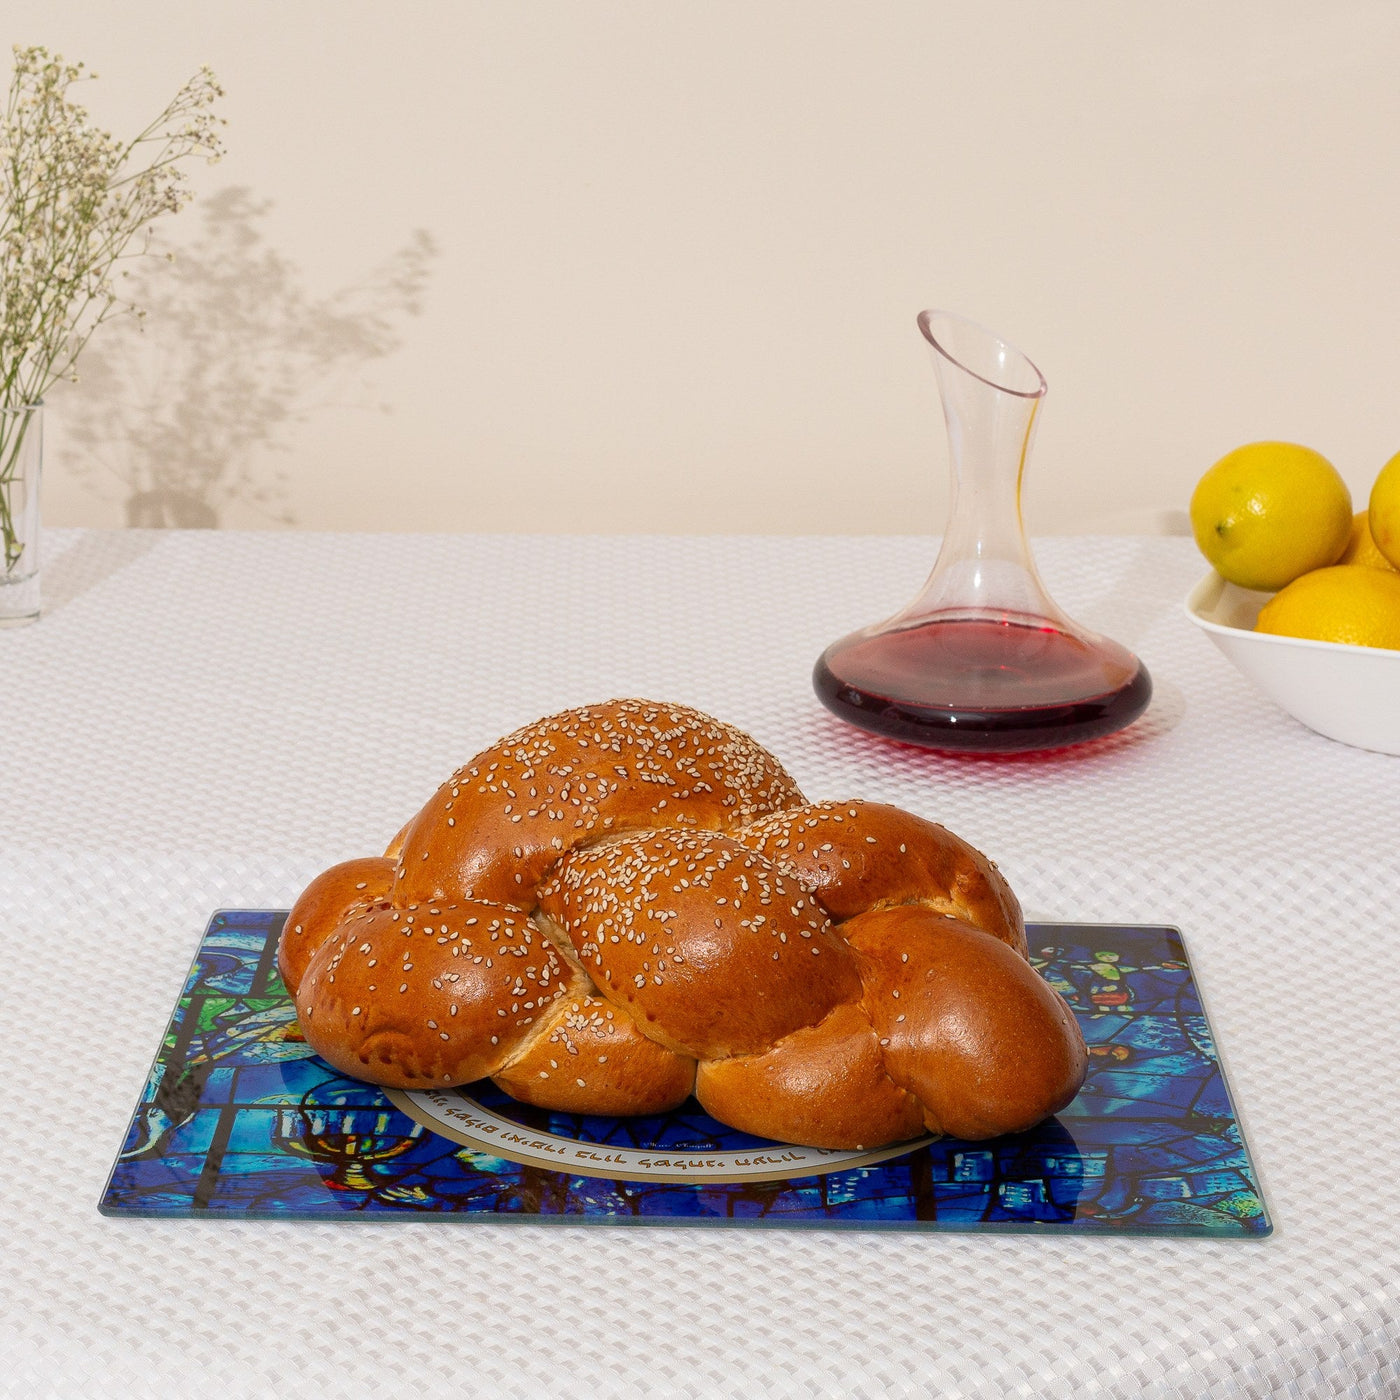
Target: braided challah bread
x,y
625,904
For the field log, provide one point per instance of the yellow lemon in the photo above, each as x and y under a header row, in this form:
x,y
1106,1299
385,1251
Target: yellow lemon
x,y
1346,603
1361,547
1384,514
1270,511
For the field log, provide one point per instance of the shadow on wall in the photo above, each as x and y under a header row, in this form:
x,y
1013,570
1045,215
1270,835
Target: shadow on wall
x,y
181,405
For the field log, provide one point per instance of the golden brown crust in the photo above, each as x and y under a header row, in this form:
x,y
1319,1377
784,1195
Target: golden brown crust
x,y
395,847
822,1086
493,830
429,995
704,942
611,894
591,1058
324,905
966,1026
867,855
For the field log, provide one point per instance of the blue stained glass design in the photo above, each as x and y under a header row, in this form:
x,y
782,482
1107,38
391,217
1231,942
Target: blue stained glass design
x,y
238,1118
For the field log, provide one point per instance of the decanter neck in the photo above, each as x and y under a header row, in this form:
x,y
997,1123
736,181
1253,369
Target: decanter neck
x,y
991,402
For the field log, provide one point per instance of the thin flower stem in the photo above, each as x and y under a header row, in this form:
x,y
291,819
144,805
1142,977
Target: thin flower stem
x,y
9,463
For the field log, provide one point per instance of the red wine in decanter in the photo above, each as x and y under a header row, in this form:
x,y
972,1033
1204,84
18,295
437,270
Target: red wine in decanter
x,y
998,685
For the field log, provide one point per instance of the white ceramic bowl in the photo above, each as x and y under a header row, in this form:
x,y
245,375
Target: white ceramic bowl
x,y
1347,693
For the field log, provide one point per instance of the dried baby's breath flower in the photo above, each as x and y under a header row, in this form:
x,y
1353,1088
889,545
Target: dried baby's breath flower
x,y
75,202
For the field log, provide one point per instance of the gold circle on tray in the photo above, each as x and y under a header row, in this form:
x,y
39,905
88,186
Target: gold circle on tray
x,y
454,1114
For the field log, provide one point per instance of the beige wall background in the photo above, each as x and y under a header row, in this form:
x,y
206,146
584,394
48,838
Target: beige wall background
x,y
655,266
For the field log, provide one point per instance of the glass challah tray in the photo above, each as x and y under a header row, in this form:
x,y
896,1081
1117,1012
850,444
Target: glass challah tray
x,y
240,1120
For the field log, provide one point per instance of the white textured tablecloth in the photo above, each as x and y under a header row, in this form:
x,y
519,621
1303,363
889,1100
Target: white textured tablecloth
x,y
207,720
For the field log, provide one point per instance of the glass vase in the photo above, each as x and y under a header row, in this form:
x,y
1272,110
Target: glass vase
x,y
983,660
21,459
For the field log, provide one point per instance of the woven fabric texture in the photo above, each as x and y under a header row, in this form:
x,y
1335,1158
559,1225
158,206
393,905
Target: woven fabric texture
x,y
206,720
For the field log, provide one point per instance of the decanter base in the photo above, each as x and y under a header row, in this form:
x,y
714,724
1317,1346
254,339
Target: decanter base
x,y
982,686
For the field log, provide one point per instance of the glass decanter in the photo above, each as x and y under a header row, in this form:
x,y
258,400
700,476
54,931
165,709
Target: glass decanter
x,y
983,660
